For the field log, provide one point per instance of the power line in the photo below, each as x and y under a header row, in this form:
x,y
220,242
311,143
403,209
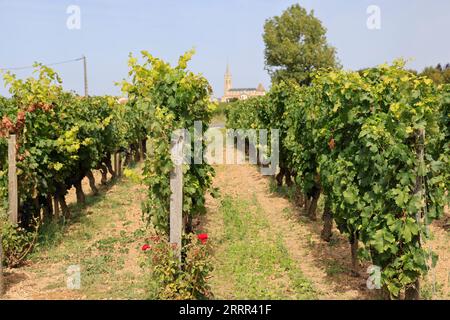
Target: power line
x,y
57,63
48,65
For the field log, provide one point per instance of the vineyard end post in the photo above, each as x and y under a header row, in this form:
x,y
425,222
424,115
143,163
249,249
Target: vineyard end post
x,y
413,292
55,207
176,195
2,282
13,197
119,164
116,163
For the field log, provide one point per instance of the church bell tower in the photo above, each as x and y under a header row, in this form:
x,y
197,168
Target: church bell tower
x,y
227,80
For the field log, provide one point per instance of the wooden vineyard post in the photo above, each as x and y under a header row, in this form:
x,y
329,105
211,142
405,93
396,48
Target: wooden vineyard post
x,y
176,189
116,163
2,283
119,164
413,292
13,197
55,207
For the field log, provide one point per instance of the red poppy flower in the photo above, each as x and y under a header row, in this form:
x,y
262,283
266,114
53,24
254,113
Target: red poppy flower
x,y
202,237
145,247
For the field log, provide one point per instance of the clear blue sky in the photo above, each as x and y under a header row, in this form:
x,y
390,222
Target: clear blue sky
x,y
219,30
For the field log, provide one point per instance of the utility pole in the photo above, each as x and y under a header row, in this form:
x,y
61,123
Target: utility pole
x,y
85,76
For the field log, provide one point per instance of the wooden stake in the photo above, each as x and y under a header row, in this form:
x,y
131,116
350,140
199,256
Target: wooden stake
x,y
176,188
119,164
413,292
12,181
55,207
2,283
116,163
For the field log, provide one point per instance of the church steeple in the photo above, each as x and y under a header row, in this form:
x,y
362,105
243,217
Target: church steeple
x,y
227,86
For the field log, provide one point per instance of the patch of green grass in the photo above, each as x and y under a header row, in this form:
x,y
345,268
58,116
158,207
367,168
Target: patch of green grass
x,y
106,243
93,266
285,191
255,260
55,285
300,283
288,213
430,290
334,268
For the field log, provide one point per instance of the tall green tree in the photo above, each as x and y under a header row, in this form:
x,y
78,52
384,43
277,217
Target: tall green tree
x,y
296,46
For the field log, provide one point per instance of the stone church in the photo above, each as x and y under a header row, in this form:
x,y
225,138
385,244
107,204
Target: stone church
x,y
231,94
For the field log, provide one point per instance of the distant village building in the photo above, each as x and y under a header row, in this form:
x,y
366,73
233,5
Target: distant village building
x,y
123,100
231,94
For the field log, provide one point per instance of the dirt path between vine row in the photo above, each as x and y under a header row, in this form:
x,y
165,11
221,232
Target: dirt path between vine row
x,y
326,265
103,238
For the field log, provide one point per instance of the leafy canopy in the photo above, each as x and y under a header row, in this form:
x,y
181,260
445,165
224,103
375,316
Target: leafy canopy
x,y
296,45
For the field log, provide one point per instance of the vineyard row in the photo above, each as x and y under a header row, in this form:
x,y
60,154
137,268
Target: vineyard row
x,y
375,144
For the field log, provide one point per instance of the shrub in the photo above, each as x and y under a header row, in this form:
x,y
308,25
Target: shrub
x,y
17,242
175,280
